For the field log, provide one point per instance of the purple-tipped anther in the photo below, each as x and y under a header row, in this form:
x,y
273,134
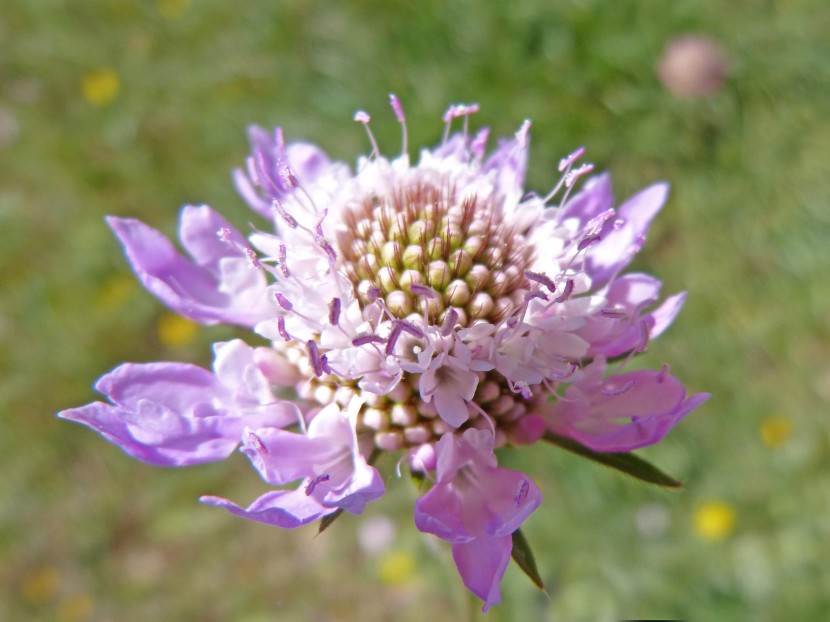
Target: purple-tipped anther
x,y
283,301
397,108
288,218
309,489
449,322
542,279
314,357
568,160
566,293
364,339
423,290
334,311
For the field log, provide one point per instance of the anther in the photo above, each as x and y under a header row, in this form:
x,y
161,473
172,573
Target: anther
x,y
423,290
288,218
224,234
609,391
450,319
567,161
535,294
573,175
615,312
314,357
253,259
309,489
364,339
334,311
281,329
542,279
587,241
287,175
257,444
283,301
401,117
566,293
281,259
524,488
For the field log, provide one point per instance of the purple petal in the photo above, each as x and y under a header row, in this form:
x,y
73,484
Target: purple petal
x,y
163,414
482,564
620,244
595,198
205,293
473,498
288,509
664,315
623,412
629,294
179,386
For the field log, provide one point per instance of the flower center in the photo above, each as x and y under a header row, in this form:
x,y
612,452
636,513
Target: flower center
x,y
425,249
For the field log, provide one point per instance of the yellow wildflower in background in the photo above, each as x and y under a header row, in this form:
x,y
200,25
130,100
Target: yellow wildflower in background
x,y
714,520
100,86
172,9
776,431
396,567
76,608
40,585
175,331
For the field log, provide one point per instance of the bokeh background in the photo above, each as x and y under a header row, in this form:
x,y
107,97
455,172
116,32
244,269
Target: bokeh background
x,y
136,108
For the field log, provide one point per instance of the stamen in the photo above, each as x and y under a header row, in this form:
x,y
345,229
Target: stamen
x,y
224,234
283,301
542,279
566,293
253,259
257,443
364,339
449,322
393,338
572,176
287,175
567,161
607,390
615,312
281,329
423,290
587,241
288,218
314,357
411,329
534,294
309,489
281,259
334,311
401,117
524,488
363,117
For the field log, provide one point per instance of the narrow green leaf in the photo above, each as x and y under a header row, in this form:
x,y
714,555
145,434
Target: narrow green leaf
x,y
626,462
523,557
327,520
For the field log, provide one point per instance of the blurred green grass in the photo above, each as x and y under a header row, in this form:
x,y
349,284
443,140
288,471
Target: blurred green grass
x,y
88,534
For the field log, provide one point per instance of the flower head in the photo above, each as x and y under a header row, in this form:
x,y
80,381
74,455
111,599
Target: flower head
x,y
436,310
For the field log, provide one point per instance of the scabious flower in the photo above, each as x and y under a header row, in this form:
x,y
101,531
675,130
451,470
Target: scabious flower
x,y
437,311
